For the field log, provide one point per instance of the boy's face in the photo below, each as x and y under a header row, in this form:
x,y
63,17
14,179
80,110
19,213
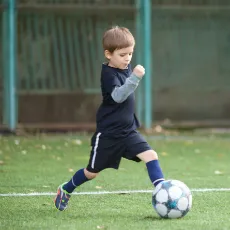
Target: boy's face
x,y
120,58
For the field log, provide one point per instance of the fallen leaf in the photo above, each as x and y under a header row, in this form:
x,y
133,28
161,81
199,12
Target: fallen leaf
x,y
1,162
158,129
100,227
164,154
70,170
217,172
24,152
43,147
16,142
98,187
77,142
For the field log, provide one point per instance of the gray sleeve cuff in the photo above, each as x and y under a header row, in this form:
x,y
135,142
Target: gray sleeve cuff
x,y
133,78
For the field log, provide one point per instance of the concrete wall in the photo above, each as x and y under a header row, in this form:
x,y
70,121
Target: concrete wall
x,y
171,104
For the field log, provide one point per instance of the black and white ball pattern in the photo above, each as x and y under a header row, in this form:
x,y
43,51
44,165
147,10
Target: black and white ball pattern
x,y
172,199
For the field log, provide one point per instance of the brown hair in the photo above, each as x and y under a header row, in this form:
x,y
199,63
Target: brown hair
x,y
117,38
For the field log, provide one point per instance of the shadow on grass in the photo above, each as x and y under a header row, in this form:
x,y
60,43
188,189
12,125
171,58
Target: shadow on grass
x,y
156,218
152,218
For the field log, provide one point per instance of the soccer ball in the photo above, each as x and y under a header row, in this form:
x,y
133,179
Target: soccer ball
x,y
172,199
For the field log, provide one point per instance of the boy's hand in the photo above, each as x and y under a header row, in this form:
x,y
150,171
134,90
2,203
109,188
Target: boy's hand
x,y
139,71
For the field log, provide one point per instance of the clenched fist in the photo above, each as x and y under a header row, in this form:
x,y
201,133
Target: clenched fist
x,y
139,71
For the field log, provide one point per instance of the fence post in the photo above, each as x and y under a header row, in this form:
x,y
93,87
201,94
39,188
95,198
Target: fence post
x,y
9,64
5,41
147,10
139,58
144,55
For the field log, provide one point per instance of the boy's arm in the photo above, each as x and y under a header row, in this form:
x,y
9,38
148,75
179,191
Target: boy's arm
x,y
120,94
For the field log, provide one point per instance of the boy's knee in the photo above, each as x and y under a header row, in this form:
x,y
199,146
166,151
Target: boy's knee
x,y
147,156
90,175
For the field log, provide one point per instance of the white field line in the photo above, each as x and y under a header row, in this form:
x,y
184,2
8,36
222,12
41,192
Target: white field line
x,y
109,192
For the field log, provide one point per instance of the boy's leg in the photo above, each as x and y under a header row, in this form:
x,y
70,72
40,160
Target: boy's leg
x,y
103,155
154,170
80,177
64,191
138,149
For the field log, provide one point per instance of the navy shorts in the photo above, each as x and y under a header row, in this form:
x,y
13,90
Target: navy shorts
x,y
107,152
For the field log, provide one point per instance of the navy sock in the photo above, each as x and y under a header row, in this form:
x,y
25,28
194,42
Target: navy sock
x,y
77,179
155,172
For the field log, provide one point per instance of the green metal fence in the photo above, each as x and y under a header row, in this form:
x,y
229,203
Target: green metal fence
x,y
61,52
58,53
59,49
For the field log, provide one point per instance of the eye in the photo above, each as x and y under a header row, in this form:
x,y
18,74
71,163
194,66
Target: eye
x,y
122,55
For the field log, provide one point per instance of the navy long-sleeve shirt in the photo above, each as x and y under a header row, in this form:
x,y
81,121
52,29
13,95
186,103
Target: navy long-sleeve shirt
x,y
116,115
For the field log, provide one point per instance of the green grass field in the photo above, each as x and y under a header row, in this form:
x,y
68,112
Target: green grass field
x,y
40,163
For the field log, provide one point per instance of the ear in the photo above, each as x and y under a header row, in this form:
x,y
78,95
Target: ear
x,y
107,54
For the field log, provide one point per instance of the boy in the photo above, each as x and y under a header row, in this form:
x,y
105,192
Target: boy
x,y
116,134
